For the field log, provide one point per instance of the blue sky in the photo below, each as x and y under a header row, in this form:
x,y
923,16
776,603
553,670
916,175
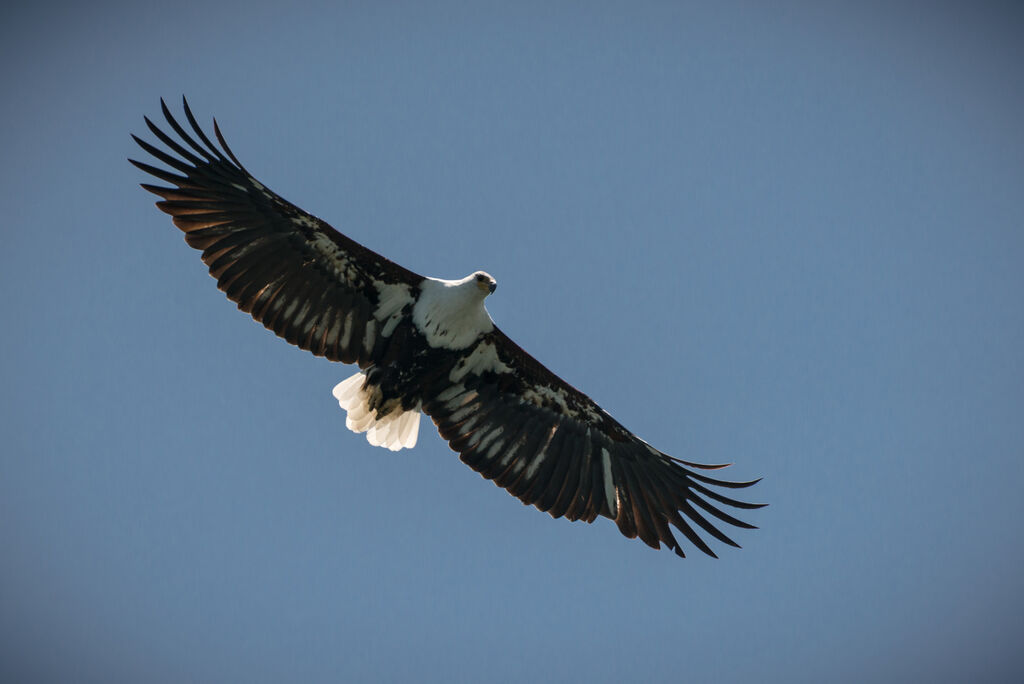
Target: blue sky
x,y
786,237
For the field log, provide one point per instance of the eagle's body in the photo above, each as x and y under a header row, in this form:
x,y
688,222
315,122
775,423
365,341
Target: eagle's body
x,y
425,345
446,318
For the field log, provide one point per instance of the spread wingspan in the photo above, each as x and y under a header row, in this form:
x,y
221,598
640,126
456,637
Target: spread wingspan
x,y
426,345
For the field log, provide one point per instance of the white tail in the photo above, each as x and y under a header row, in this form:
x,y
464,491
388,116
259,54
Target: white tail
x,y
394,431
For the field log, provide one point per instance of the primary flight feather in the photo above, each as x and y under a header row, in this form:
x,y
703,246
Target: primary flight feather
x,y
425,345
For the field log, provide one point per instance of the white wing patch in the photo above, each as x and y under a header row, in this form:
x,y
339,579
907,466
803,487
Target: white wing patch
x,y
370,336
609,483
482,359
541,455
555,399
391,299
343,266
544,396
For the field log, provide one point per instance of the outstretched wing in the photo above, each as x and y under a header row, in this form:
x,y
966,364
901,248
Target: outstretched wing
x,y
291,271
518,424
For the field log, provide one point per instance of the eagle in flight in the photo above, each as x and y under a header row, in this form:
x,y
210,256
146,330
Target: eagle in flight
x,y
426,345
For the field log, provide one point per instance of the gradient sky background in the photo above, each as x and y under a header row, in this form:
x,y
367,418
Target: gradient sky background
x,y
791,238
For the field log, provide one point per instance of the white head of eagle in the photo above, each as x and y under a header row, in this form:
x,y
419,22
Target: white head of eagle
x,y
425,345
451,313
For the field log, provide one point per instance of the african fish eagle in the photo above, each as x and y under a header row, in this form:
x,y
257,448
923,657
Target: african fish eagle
x,y
425,345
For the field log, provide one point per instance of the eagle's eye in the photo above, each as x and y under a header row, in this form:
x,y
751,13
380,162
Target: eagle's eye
x,y
485,281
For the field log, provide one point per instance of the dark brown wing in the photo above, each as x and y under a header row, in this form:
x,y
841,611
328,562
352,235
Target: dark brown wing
x,y
518,424
291,271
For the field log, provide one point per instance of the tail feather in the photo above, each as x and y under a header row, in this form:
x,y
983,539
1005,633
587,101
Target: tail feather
x,y
396,430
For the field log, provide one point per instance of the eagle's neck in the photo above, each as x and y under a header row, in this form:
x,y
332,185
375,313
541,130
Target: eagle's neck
x,y
450,313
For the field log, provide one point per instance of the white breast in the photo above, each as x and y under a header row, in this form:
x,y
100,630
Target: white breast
x,y
451,313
